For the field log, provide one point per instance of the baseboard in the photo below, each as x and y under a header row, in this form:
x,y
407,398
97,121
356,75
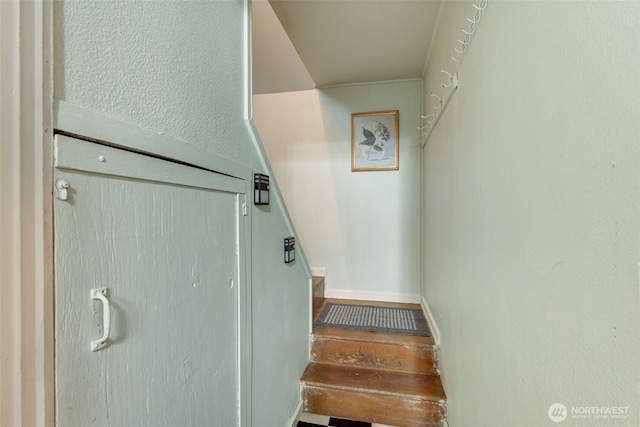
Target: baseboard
x,y
372,296
318,271
433,326
310,302
296,415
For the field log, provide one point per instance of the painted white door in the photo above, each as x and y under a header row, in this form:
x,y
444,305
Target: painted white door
x,y
164,240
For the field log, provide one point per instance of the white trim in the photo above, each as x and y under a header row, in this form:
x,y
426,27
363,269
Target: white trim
x,y
310,317
293,421
433,326
82,122
26,316
378,82
10,326
248,61
372,296
245,312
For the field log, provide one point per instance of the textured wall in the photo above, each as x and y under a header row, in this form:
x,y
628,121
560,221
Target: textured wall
x,y
176,67
363,227
532,212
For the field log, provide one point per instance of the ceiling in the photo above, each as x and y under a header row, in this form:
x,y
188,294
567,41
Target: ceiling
x,y
302,44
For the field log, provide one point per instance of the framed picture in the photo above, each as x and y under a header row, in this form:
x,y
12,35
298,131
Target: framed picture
x,y
374,141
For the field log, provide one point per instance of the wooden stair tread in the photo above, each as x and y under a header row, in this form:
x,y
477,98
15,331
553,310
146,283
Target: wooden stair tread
x,y
399,339
408,385
386,351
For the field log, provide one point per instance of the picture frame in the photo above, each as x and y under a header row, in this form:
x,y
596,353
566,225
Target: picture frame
x,y
375,141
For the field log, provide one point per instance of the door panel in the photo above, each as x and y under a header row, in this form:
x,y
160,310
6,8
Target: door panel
x,y
168,255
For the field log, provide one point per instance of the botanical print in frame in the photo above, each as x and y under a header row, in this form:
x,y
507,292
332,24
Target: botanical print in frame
x,y
374,141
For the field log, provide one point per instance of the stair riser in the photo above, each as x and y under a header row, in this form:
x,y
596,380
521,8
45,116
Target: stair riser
x,y
420,359
384,409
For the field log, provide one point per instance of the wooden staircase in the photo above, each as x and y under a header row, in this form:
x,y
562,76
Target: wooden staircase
x,y
373,377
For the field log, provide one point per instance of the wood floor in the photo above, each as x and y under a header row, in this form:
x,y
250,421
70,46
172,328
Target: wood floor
x,y
389,379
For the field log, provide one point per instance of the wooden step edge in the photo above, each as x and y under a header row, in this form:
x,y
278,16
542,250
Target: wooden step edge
x,y
405,396
374,336
431,371
390,339
391,411
365,385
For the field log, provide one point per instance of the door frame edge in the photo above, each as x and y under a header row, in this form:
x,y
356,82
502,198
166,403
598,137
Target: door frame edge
x,y
26,217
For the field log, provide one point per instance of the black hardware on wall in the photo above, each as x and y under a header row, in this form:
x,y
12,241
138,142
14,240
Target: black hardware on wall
x,y
260,189
289,249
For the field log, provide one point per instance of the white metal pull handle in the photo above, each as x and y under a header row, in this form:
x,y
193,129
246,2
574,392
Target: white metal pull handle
x,y
101,294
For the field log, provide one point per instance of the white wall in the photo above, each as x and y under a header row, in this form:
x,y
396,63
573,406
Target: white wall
x,y
363,227
532,203
275,62
177,68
